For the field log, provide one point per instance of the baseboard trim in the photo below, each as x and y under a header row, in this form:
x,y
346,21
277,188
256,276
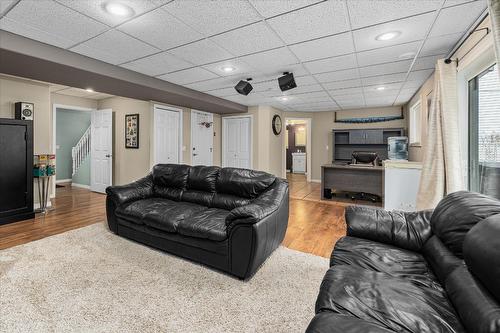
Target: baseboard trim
x,y
315,180
63,181
80,185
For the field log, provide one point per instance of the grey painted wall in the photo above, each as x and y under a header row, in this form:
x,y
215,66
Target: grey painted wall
x,y
70,126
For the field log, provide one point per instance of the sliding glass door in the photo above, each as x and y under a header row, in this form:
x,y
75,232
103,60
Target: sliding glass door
x,y
484,133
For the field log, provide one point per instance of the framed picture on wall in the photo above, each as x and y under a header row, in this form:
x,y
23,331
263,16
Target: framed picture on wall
x,y
132,131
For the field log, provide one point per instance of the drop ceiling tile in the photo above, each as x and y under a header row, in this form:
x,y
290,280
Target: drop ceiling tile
x,y
352,106
365,13
420,75
346,91
212,84
324,47
388,68
269,8
342,84
201,52
411,29
190,75
313,95
383,79
352,98
387,87
95,9
160,29
5,4
249,39
304,89
413,84
458,18
427,62
347,74
270,88
386,95
212,17
222,92
331,64
304,80
388,54
322,19
157,64
114,47
271,61
440,45
51,23
240,67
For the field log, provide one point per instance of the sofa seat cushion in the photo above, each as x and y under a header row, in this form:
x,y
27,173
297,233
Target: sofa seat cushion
x,y
384,258
391,302
208,224
158,213
134,211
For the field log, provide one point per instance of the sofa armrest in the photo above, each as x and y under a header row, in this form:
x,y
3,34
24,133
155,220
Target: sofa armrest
x,y
140,189
408,230
263,206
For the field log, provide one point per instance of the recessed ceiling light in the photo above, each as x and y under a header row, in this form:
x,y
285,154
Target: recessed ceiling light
x,y
407,55
90,90
118,9
284,98
380,88
388,35
228,69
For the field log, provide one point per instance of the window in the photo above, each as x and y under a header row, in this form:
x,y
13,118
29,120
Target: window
x,y
415,128
484,133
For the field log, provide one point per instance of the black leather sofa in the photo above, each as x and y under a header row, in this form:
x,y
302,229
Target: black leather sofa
x,y
230,219
427,271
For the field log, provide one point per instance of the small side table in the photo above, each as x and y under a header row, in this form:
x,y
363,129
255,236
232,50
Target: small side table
x,y
43,193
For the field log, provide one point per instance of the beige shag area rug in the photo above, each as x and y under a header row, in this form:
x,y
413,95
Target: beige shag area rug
x,y
90,280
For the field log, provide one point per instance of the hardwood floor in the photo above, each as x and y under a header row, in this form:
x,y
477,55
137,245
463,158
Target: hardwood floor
x,y
314,225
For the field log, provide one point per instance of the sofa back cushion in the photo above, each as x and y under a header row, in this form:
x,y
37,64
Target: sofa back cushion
x,y
482,254
203,178
170,180
243,183
457,213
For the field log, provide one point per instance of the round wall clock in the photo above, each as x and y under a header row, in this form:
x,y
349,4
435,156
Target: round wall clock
x,y
277,124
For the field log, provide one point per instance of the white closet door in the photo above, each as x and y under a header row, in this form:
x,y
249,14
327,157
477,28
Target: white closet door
x,y
237,138
101,141
166,136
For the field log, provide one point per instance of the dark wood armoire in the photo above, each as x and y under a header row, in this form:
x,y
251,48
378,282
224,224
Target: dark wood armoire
x,y
16,170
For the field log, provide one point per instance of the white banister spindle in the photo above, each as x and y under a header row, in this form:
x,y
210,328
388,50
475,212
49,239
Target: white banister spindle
x,y
80,152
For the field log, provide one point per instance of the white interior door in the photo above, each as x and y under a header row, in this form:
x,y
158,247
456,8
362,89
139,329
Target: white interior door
x,y
237,142
202,138
167,135
101,142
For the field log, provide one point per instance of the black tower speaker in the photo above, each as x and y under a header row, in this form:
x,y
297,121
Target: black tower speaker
x,y
287,82
243,87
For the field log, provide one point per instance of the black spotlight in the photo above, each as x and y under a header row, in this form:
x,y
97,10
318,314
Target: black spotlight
x,y
287,81
244,87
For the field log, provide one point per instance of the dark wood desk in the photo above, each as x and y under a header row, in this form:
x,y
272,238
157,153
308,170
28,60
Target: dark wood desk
x,y
350,178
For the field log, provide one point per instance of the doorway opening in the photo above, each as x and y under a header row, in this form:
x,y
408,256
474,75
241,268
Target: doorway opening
x,y
73,146
297,152
83,145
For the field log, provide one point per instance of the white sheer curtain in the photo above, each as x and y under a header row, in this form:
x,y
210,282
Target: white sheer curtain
x,y
441,170
494,9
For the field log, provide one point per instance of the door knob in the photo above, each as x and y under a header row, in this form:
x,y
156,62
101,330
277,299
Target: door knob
x,y
108,155
194,154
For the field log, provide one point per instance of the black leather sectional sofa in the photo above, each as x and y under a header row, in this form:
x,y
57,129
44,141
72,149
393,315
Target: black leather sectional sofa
x,y
428,271
230,219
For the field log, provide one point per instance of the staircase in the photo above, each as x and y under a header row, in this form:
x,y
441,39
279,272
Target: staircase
x,y
80,152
